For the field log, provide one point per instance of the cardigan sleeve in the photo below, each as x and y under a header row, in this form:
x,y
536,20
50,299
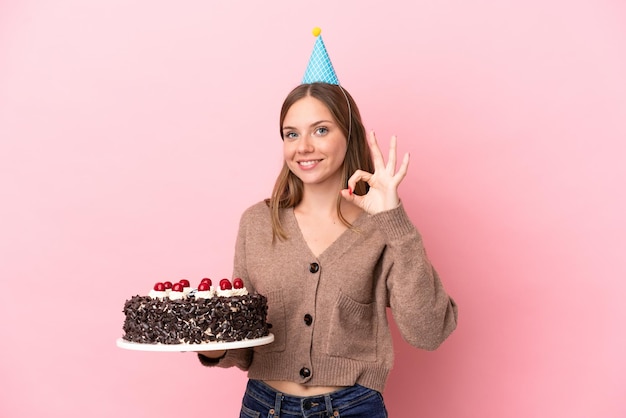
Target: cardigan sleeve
x,y
240,358
421,308
240,267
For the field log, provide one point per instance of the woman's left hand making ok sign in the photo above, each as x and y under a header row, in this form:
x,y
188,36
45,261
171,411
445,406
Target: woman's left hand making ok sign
x,y
383,191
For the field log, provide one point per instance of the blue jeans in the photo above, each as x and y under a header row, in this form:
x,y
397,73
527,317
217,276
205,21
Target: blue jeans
x,y
262,401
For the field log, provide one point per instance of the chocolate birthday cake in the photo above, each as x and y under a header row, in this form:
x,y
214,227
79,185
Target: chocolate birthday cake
x,y
176,313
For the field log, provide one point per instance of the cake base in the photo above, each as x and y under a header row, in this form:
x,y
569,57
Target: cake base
x,y
122,343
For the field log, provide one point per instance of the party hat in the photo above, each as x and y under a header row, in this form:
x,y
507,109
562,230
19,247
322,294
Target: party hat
x,y
320,69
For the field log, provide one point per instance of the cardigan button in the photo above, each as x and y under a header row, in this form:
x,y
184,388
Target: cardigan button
x,y
305,372
308,319
314,268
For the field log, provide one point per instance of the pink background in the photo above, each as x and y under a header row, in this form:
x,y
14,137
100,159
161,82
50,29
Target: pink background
x,y
134,133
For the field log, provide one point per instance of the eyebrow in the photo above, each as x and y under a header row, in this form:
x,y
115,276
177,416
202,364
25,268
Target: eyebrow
x,y
313,124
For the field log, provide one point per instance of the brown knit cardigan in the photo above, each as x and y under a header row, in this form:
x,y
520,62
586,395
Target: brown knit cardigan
x,y
328,313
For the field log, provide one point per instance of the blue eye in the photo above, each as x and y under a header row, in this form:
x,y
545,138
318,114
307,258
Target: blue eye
x,y
291,135
321,131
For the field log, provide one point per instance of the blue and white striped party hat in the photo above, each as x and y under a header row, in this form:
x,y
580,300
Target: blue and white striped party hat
x,y
320,69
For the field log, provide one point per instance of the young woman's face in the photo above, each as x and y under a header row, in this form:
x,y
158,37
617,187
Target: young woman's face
x,y
313,145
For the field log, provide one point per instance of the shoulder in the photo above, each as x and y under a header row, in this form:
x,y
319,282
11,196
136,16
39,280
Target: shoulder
x,y
256,213
258,209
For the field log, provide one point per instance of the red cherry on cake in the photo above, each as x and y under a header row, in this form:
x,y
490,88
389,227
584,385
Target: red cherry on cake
x,y
207,281
203,287
168,285
225,284
159,287
184,282
177,287
238,283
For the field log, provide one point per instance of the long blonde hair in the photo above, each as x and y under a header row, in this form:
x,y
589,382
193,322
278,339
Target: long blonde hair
x,y
288,188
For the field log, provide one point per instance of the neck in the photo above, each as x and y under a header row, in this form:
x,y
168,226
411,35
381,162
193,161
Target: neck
x,y
319,199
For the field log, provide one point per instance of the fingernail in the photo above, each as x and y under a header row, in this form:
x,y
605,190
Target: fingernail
x,y
350,190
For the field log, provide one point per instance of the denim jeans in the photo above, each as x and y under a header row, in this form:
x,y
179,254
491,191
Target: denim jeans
x,y
262,401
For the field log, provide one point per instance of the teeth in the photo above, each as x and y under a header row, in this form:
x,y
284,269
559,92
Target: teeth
x,y
308,163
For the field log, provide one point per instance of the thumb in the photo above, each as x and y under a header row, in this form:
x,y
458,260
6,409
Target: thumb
x,y
351,197
347,195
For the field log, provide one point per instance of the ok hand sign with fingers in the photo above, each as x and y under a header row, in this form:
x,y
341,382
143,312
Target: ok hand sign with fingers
x,y
384,182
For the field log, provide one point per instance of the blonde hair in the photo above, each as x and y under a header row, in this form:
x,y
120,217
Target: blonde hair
x,y
288,188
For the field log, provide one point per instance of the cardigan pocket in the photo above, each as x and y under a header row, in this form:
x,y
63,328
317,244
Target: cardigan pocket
x,y
353,330
276,317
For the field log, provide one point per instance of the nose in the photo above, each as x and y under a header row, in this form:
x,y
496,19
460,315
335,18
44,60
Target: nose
x,y
305,144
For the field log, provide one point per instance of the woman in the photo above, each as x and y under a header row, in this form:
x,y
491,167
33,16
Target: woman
x,y
332,249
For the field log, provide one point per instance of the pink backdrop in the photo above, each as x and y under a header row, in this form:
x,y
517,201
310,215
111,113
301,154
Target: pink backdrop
x,y
134,133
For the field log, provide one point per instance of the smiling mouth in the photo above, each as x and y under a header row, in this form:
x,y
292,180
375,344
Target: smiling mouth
x,y
308,163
